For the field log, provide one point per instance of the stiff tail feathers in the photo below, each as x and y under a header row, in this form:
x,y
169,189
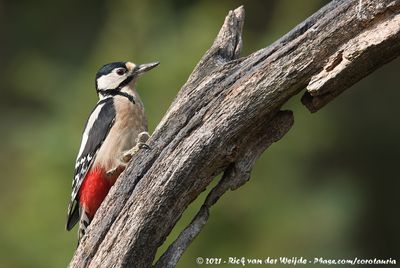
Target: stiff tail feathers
x,y
77,214
84,222
72,215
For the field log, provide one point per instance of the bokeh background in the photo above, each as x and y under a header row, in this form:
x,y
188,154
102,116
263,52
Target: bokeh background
x,y
329,189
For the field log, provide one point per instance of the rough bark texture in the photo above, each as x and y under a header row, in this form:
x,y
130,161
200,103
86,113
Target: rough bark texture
x,y
235,175
225,116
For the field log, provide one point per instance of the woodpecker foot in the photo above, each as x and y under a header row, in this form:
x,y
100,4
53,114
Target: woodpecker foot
x,y
118,169
141,140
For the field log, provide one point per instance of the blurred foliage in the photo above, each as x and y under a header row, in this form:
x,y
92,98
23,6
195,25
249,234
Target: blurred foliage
x,y
328,189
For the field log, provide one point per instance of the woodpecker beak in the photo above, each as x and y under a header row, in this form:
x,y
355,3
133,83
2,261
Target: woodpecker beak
x,y
142,68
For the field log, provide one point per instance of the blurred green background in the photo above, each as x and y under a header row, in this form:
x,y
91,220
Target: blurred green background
x,y
329,189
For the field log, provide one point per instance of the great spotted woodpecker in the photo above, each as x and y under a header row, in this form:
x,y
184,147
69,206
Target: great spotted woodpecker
x,y
115,130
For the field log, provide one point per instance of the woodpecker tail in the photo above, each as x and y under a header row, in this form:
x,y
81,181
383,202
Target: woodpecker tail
x,y
84,222
72,215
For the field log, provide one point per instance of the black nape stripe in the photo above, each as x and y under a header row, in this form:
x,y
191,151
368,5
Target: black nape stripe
x,y
115,92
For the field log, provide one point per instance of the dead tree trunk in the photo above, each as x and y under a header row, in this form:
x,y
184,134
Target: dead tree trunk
x,y
225,116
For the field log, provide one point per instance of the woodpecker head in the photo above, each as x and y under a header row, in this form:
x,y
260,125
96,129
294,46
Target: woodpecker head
x,y
116,75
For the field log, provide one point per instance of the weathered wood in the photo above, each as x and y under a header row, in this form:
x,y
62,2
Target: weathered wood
x,y
235,175
356,58
216,120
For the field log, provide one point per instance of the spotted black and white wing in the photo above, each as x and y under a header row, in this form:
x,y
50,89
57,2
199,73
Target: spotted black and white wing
x,y
96,130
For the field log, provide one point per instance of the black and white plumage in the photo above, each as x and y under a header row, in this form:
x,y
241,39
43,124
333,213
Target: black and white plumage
x,y
96,130
110,132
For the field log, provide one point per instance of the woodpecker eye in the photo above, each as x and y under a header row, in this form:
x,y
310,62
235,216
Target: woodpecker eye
x,y
121,71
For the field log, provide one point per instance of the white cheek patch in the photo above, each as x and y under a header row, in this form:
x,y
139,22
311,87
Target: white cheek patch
x,y
109,81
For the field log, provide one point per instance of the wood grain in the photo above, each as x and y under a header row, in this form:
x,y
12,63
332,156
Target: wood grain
x,y
225,116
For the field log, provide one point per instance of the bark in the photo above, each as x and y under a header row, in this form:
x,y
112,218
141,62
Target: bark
x,y
225,116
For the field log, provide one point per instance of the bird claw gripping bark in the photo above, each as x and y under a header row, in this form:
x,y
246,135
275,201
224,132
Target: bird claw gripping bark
x,y
141,140
118,168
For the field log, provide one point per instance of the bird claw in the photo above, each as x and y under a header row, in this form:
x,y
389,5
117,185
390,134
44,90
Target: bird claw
x,y
144,146
142,138
140,145
112,171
